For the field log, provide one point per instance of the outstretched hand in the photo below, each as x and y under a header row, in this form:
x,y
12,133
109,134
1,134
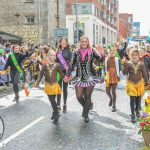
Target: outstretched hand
x,y
124,60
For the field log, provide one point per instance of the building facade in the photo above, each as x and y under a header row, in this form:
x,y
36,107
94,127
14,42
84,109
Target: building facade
x,y
125,25
33,20
97,19
136,29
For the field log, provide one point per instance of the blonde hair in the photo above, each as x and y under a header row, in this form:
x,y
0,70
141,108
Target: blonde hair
x,y
84,37
133,51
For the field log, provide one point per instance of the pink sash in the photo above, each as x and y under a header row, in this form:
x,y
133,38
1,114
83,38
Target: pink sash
x,y
84,53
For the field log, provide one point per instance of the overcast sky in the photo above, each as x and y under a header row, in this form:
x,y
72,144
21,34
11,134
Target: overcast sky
x,y
140,10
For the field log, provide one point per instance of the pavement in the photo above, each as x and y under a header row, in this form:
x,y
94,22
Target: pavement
x,y
28,125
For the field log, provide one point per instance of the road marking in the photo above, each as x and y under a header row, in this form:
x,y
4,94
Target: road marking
x,y
10,138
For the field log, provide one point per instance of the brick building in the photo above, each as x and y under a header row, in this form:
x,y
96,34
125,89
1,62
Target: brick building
x,y
97,19
125,25
32,20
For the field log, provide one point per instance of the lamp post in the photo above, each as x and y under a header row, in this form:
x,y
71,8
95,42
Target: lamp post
x,y
76,13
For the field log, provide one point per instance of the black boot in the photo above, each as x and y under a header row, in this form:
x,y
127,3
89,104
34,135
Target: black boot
x,y
137,114
114,109
86,118
52,118
110,103
16,99
133,118
56,118
64,108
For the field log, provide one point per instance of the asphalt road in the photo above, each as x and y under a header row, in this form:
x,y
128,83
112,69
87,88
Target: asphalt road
x,y
28,125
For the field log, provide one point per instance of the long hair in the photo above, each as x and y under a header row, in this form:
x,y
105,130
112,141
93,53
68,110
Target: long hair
x,y
83,37
59,43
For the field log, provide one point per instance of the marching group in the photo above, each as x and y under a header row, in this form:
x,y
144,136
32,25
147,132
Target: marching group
x,y
83,67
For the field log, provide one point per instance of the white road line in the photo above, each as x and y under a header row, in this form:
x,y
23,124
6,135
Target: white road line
x,y
10,138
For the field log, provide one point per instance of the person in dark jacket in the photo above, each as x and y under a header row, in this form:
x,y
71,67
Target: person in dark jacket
x,y
64,57
15,68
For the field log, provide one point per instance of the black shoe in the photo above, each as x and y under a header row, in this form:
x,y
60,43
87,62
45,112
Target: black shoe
x,y
138,114
59,109
86,119
91,107
56,118
16,99
110,103
52,118
133,118
64,108
114,109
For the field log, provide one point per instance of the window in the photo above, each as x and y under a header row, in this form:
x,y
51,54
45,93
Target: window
x,y
82,8
29,1
30,19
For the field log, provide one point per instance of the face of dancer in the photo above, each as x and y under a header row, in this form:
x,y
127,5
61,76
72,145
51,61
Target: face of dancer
x,y
16,49
84,43
141,53
63,43
134,57
52,56
112,52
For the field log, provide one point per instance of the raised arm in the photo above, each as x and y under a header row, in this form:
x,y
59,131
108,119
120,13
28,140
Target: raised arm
x,y
98,55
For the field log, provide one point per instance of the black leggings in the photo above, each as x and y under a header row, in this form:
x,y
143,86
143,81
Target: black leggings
x,y
134,103
84,97
111,92
65,92
53,103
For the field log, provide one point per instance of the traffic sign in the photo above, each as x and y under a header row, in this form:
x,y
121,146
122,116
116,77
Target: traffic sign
x,y
61,32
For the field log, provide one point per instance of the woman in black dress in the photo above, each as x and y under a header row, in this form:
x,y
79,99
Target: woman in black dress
x,y
64,56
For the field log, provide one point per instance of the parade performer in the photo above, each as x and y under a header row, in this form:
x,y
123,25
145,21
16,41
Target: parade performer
x,y
146,61
112,71
52,88
136,79
15,61
84,80
64,56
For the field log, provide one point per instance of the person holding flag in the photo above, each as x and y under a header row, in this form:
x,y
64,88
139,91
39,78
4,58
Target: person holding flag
x,y
15,61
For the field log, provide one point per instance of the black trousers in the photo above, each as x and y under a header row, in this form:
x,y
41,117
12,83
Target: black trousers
x,y
64,87
134,103
53,103
15,76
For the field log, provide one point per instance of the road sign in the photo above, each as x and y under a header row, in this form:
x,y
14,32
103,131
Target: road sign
x,y
61,32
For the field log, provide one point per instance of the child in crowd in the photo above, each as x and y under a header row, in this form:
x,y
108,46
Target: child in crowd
x,y
112,70
52,87
136,79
